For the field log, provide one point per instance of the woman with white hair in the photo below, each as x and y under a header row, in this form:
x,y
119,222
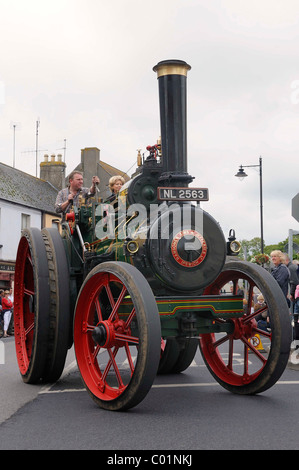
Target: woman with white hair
x,y
115,184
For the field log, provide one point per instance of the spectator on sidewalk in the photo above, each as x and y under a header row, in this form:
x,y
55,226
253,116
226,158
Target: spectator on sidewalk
x,y
280,272
294,279
7,306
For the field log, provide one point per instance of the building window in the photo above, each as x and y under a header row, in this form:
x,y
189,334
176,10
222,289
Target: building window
x,y
25,221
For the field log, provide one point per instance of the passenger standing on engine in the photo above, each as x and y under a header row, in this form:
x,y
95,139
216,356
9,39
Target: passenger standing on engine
x,y
280,271
70,196
115,183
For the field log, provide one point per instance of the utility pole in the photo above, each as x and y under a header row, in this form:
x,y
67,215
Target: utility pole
x,y
37,150
36,145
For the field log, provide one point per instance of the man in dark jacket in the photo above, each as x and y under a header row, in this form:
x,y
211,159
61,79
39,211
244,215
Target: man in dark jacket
x,y
280,271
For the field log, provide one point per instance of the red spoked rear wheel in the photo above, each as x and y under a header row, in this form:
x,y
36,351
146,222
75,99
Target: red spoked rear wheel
x,y
31,306
236,359
117,335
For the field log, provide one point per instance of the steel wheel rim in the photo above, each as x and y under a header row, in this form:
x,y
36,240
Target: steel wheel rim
x,y
95,373
24,312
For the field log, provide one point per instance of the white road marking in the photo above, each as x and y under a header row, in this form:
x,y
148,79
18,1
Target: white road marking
x,y
73,365
207,384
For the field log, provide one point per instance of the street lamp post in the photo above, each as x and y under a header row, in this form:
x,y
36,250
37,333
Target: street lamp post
x,y
241,174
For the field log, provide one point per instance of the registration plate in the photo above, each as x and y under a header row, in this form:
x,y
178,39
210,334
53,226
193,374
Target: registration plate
x,y
183,194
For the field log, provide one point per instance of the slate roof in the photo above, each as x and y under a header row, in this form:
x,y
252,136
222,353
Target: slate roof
x,y
111,170
21,188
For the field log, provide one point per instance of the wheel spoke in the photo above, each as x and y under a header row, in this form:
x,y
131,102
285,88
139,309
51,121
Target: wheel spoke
x,y
267,334
114,305
108,290
29,329
253,349
245,358
230,353
252,315
109,363
28,291
112,361
98,309
87,327
129,357
220,341
117,304
130,318
249,298
127,338
96,352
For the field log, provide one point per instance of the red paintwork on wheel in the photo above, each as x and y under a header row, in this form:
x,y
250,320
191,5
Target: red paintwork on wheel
x,y
244,329
118,335
23,316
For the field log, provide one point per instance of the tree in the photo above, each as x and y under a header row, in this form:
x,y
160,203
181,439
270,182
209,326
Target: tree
x,y
250,248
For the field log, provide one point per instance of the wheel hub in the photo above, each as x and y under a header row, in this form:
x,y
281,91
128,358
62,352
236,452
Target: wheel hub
x,y
108,334
243,329
99,335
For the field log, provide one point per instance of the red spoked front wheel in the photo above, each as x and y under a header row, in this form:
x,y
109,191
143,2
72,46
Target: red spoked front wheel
x,y
117,335
236,358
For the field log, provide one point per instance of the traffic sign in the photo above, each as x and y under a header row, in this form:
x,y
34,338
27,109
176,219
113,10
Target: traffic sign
x,y
295,207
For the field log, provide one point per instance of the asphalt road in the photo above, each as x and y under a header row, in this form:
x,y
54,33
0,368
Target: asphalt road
x,y
182,413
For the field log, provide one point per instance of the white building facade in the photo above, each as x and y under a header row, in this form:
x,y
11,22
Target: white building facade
x,y
13,218
25,201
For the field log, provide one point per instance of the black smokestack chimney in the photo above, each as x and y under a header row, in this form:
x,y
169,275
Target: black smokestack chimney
x,y
172,76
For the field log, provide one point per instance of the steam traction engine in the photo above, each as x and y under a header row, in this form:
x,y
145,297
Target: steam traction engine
x,y
137,284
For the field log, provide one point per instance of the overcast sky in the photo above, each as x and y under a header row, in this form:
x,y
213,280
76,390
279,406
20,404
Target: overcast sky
x,y
84,69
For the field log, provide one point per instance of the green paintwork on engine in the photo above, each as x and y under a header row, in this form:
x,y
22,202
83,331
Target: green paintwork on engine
x,y
191,316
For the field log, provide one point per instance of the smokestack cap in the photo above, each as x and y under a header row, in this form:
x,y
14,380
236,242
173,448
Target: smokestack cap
x,y
171,67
